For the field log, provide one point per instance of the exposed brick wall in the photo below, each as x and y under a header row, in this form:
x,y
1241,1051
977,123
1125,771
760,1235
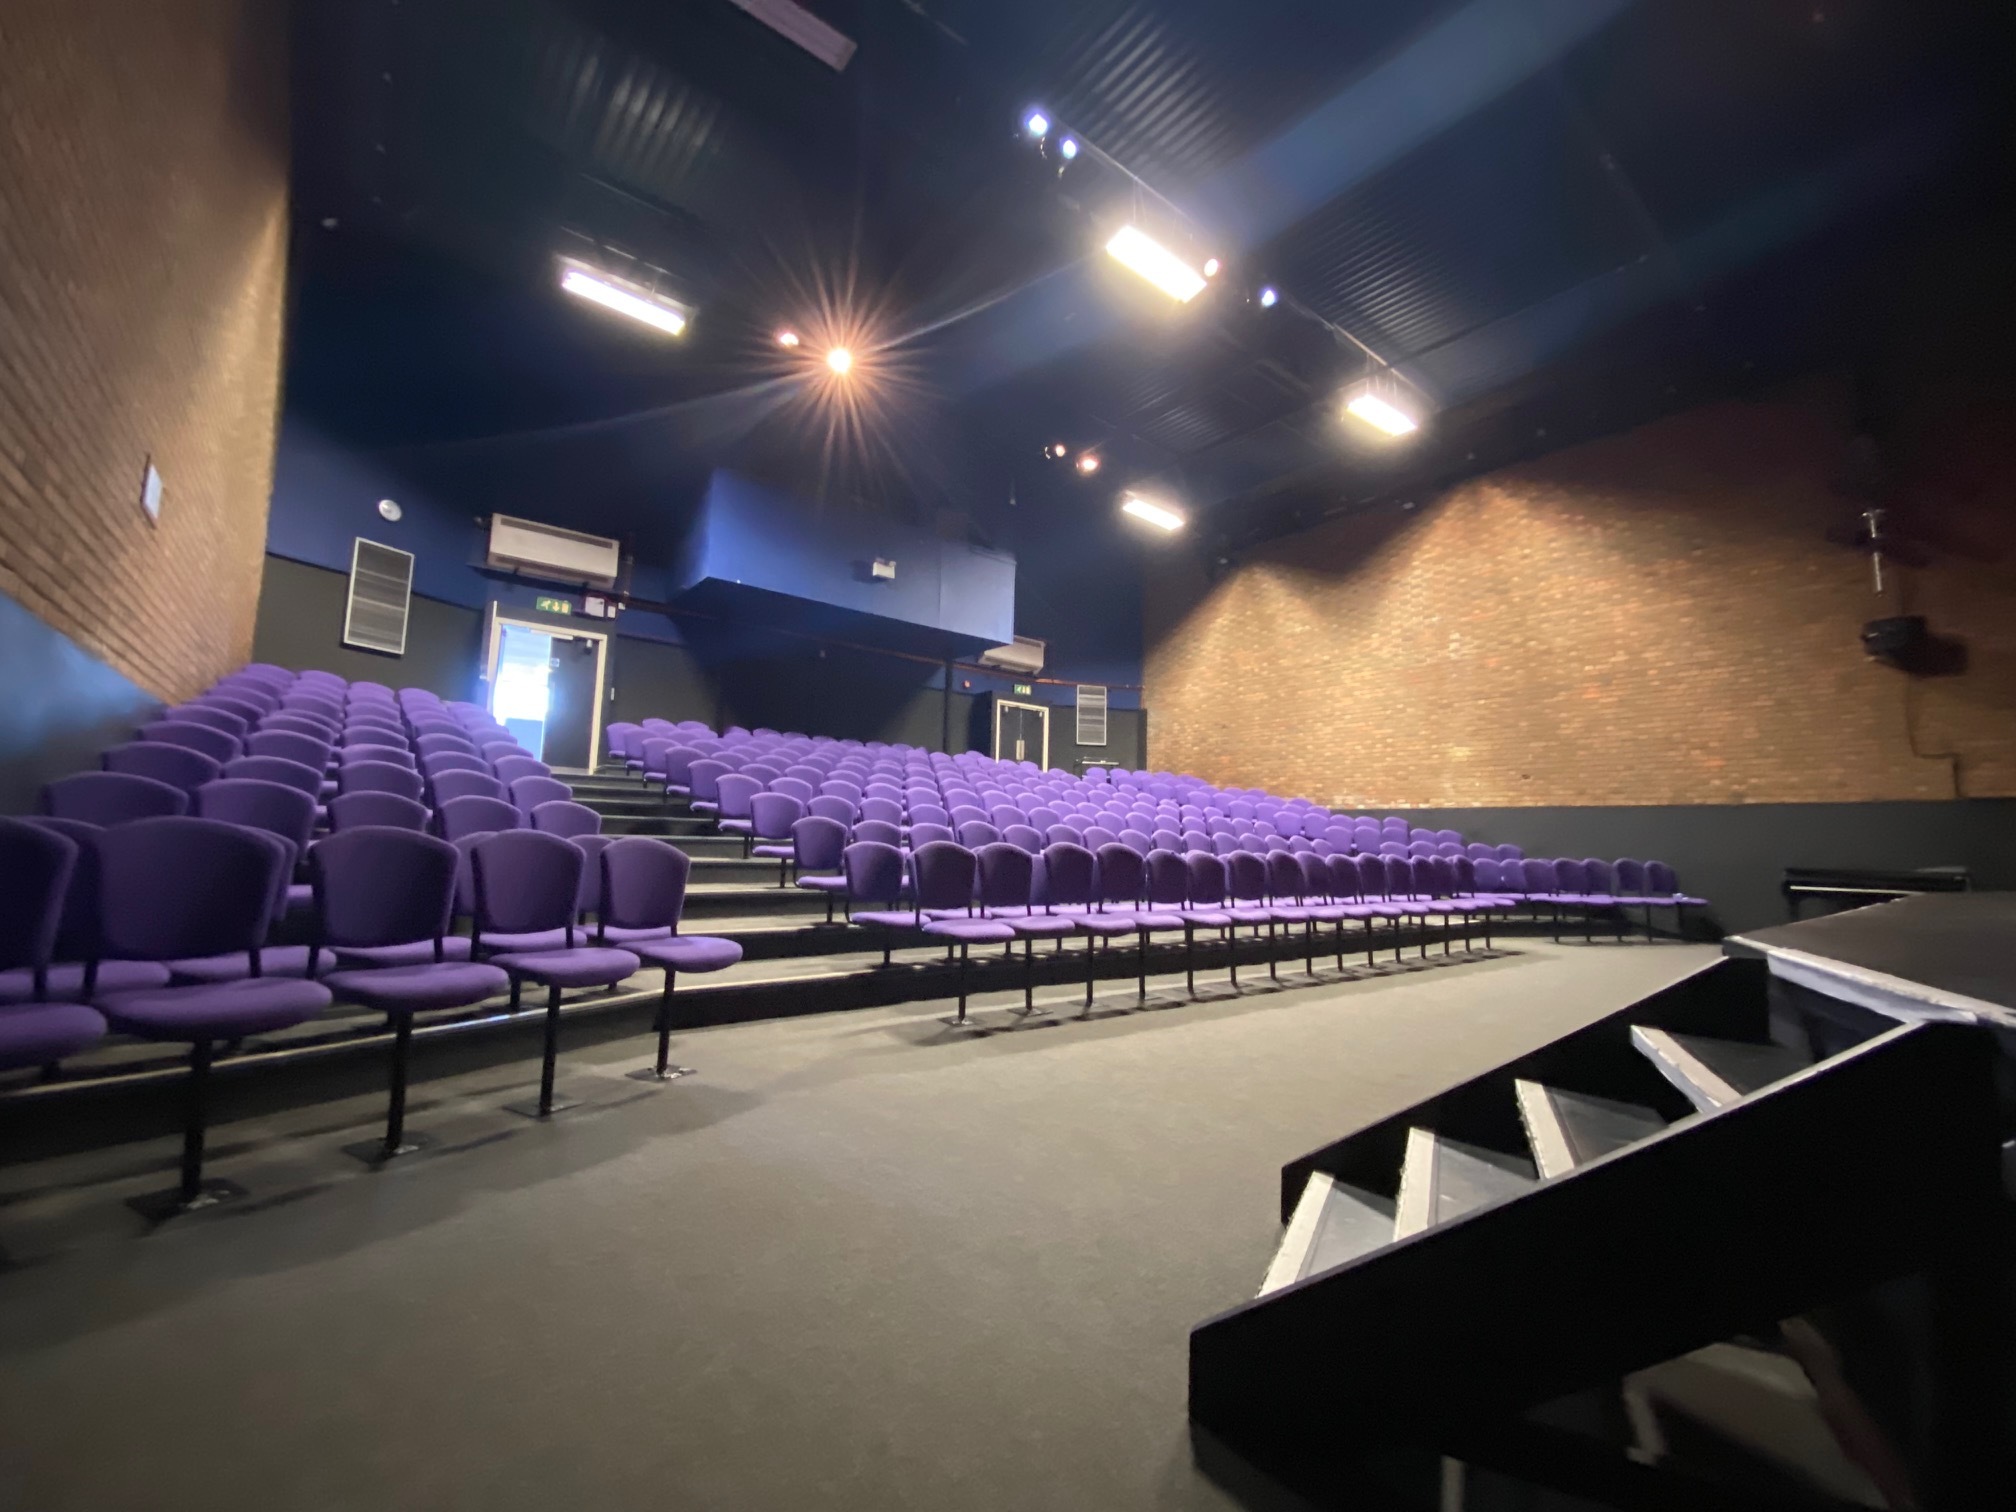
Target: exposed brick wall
x,y
143,231
1654,618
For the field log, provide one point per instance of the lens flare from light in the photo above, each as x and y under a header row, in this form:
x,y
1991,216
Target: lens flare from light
x,y
1211,266
1268,298
1382,414
1036,123
1088,463
1159,515
1068,148
840,360
788,339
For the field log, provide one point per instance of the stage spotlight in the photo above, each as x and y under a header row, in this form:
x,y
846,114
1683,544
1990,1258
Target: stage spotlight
x,y
1088,463
639,303
840,360
1159,515
1068,148
1211,266
1058,449
1268,298
1036,123
1386,404
787,339
1139,252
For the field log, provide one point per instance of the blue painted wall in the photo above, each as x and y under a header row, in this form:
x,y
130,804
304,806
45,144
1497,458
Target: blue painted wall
x,y
64,706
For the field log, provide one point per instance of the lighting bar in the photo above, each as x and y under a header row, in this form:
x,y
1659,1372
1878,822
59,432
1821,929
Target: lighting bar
x,y
1158,515
1140,253
1387,405
654,310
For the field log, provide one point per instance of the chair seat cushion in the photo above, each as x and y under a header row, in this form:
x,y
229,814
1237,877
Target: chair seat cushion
x,y
538,939
736,826
583,966
690,953
617,934
1208,918
274,961
900,918
447,984
1041,926
823,884
775,852
414,953
66,980
215,1010
1104,923
300,895
1325,913
1242,915
972,931
1148,918
39,1034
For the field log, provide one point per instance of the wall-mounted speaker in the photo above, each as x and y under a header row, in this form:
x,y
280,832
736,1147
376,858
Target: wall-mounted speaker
x,y
1895,638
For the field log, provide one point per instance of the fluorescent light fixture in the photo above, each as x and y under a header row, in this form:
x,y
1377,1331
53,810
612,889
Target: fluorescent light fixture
x,y
639,304
1036,123
1140,253
840,360
1069,148
1268,298
1159,515
1387,405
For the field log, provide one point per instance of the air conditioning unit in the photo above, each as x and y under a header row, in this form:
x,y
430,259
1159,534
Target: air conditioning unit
x,y
1023,655
547,551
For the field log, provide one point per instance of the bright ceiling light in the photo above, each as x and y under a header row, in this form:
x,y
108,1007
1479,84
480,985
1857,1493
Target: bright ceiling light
x,y
1211,266
1159,515
1139,252
1268,298
1386,404
1381,415
1036,123
840,360
787,338
1088,463
1069,148
639,304
1058,449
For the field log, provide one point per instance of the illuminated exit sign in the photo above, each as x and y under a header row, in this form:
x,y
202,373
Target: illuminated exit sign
x,y
1025,689
553,605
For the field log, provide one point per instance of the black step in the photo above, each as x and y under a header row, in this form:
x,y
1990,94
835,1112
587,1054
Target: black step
x,y
1444,1179
1570,1129
1713,1073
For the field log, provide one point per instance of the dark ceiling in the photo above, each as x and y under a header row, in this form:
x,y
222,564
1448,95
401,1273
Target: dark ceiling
x,y
1550,215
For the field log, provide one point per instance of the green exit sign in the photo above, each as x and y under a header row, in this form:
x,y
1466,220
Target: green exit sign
x,y
1025,689
553,605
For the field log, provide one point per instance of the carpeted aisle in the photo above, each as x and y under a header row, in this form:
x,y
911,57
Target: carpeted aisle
x,y
859,1262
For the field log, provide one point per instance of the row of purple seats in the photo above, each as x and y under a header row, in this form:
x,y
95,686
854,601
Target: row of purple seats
x,y
153,905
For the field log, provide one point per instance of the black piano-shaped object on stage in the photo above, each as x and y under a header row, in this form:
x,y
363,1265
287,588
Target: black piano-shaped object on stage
x,y
1855,886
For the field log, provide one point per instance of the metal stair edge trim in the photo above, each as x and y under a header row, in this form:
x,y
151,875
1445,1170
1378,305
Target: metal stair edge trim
x,y
1292,1254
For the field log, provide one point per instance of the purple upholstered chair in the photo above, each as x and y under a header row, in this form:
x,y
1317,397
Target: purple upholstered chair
x,y
379,777
880,833
37,865
176,888
377,811
1167,892
444,745
389,755
975,833
1123,878
388,894
78,974
643,896
197,737
945,875
461,817
108,798
290,745
527,793
298,724
510,769
833,806
217,716
817,845
457,782
526,884
1663,886
875,875
1007,887
565,817
176,765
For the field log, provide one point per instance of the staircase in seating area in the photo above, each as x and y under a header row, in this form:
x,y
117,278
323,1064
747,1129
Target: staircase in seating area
x,y
1680,1187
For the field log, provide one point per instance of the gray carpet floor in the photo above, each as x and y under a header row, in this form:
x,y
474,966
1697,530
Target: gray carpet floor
x,y
859,1261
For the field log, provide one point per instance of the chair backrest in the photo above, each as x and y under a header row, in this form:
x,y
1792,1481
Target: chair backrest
x,y
1511,853
832,806
1007,874
1207,879
1539,875
382,885
877,832
1168,878
882,810
442,743
792,787
217,716
817,841
928,834
1070,876
1066,834
290,745
1661,881
975,833
108,798
772,815
379,777
352,755
456,761
1246,876
734,793
459,782
1630,877
278,769
36,865
525,881
944,873
1025,836
1599,877
178,766
563,816
529,792
1315,874
510,768
284,723
460,817
196,737
1122,870
842,788
271,806
1570,876
377,810
643,883
1284,876
173,888
874,871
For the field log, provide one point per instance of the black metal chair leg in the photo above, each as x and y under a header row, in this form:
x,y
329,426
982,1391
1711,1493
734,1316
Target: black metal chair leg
x,y
1141,993
962,981
1309,946
1091,967
665,1025
1190,958
1273,952
1028,973
1232,951
395,1113
1371,941
546,1069
195,1117
517,992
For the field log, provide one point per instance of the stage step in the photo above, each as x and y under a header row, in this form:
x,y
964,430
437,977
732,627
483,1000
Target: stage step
x,y
1713,1073
1333,1224
1444,1179
1569,1129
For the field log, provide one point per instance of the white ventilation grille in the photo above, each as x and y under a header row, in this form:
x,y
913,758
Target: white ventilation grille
x,y
1091,716
566,556
381,591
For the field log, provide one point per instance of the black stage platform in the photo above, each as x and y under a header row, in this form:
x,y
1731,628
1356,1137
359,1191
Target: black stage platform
x,y
1947,956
